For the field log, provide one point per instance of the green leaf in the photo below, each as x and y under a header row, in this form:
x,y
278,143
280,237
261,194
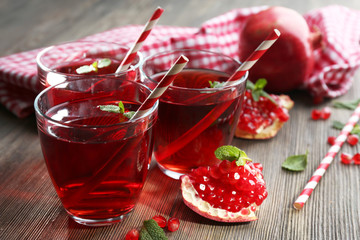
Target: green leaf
x,y
84,69
216,84
153,230
339,125
231,153
295,163
257,90
129,114
95,66
351,105
260,83
121,107
110,108
228,152
256,94
104,62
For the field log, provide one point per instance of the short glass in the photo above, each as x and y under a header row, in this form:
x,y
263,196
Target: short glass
x,y
59,63
97,160
194,119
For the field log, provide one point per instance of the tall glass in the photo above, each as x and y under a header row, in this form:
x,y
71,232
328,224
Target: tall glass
x,y
61,63
97,160
194,118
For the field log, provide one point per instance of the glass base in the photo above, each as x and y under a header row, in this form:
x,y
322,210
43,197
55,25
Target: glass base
x,y
99,222
169,173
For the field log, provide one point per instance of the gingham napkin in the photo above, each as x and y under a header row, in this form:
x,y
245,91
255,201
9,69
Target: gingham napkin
x,y
335,65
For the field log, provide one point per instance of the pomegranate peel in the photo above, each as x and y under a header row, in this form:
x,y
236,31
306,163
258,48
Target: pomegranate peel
x,y
231,195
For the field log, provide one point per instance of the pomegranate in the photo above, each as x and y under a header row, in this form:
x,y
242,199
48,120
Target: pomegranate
x,y
230,191
345,158
289,62
263,118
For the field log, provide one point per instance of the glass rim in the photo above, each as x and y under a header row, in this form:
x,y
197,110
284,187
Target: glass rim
x,y
203,90
46,49
133,121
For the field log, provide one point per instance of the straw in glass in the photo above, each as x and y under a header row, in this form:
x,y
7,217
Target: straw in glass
x,y
131,54
254,57
161,87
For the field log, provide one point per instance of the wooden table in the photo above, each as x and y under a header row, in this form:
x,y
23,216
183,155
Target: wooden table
x,y
30,208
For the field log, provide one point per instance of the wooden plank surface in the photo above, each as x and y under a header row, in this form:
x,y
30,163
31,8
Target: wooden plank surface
x,y
30,208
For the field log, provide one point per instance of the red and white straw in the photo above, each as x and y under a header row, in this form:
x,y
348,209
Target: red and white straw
x,y
254,57
326,161
161,87
131,54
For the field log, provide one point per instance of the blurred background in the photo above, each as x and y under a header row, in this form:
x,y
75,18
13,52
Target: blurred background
x,y
67,17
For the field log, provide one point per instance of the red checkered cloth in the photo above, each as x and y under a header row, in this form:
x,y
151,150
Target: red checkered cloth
x,y
334,71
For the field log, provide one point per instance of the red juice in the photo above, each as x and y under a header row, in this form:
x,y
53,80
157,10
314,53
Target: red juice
x,y
194,120
98,172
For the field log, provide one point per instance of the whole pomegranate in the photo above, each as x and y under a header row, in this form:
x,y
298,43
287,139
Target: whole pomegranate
x,y
289,62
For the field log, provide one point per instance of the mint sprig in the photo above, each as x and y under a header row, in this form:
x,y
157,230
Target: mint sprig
x,y
351,105
232,153
295,163
120,108
94,67
216,84
257,90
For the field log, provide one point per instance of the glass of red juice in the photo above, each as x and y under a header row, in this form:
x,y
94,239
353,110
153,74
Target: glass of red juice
x,y
97,160
61,63
194,118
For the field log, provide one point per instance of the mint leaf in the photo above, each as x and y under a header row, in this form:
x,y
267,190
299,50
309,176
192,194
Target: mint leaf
x,y
295,163
231,153
94,67
84,69
339,125
257,90
110,108
351,105
216,84
153,230
227,152
104,63
260,83
121,107
129,114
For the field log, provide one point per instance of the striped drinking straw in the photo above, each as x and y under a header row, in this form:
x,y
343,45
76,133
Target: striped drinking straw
x,y
254,57
131,54
326,161
163,84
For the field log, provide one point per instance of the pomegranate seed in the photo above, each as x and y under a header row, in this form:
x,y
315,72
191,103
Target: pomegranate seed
x,y
258,166
345,158
325,113
352,139
173,224
331,140
315,114
245,211
133,234
161,221
356,159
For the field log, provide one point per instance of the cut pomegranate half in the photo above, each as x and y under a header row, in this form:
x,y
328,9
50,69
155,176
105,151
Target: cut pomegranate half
x,y
262,119
231,195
